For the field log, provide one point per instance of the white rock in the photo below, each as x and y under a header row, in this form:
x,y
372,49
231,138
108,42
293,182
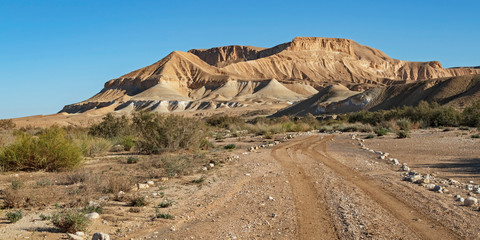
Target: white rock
x,y
204,169
469,201
74,236
405,168
142,186
460,199
430,186
92,215
211,165
81,234
100,236
151,183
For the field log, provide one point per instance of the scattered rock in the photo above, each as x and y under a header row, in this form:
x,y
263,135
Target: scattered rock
x,y
469,201
211,165
460,199
81,234
150,183
438,188
430,186
100,236
74,236
142,186
92,215
405,168
204,169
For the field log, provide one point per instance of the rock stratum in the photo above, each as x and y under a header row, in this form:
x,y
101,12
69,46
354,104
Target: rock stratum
x,y
237,76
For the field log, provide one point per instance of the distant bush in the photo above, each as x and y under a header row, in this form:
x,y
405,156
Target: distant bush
x,y
225,121
159,133
403,134
138,201
475,136
230,146
14,216
471,115
128,142
111,127
132,160
404,124
71,221
51,150
381,131
369,136
6,124
92,146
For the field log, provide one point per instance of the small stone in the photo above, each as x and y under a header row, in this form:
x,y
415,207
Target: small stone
x,y
81,234
164,179
270,198
469,201
204,169
100,236
430,186
92,215
74,237
211,165
142,186
438,188
405,168
460,199
151,183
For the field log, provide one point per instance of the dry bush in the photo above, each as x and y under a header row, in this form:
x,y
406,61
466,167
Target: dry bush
x,y
27,197
7,124
91,146
70,221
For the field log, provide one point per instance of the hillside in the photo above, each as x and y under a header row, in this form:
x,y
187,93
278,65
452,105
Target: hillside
x,y
454,91
237,75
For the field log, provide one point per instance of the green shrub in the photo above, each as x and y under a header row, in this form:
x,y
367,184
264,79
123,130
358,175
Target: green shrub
x,y
14,216
70,221
165,204
128,142
16,184
132,160
475,136
230,146
404,124
471,115
159,134
92,146
91,209
369,136
111,127
381,131
44,217
43,182
198,180
162,215
51,150
138,201
403,134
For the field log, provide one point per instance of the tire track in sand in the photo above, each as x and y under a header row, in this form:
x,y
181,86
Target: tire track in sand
x,y
422,225
313,220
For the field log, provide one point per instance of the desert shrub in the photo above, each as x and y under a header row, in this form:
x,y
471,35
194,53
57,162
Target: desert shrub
x,y
165,204
225,121
92,146
369,136
92,209
471,115
128,142
16,184
43,182
116,183
14,216
475,136
164,216
44,217
198,180
111,127
138,201
79,176
158,133
403,134
381,131
70,221
404,124
6,124
51,150
230,146
176,165
132,160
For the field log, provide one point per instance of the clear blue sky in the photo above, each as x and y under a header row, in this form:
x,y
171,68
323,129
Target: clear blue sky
x,y
58,52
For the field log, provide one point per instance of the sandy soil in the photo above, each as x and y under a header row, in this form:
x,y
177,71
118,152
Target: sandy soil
x,y
316,186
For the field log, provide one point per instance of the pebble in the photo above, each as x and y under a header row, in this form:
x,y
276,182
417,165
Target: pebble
x,y
469,201
100,236
142,186
151,183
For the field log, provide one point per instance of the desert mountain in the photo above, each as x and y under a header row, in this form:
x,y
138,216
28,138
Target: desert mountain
x,y
455,91
234,76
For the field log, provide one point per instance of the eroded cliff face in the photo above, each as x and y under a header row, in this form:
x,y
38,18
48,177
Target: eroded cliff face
x,y
308,62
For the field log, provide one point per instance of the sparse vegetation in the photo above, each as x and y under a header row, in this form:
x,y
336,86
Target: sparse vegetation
x,y
162,215
14,216
369,136
138,201
230,146
6,124
51,150
381,131
70,221
165,204
132,160
475,136
403,134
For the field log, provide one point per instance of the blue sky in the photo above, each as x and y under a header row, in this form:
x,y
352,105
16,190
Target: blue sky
x,y
58,52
